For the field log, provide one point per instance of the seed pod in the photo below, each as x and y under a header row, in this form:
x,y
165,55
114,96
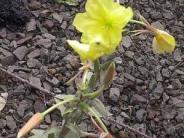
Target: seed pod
x,y
33,122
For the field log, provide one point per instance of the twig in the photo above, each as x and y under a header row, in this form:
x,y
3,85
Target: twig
x,y
26,82
127,127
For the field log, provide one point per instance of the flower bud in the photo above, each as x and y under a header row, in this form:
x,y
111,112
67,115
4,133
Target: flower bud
x,y
163,42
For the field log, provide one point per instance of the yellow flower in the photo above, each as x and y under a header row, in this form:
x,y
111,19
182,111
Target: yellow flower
x,y
105,18
163,42
91,51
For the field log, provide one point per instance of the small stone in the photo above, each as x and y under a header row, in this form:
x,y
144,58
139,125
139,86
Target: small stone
x,y
168,15
169,114
138,99
31,25
7,58
10,122
179,72
35,81
39,106
47,119
48,24
176,83
54,81
23,105
33,63
180,116
127,42
64,25
179,105
177,55
157,92
34,54
71,90
155,14
49,36
114,94
140,115
143,71
130,77
129,54
20,89
2,123
151,114
58,17
118,60
35,5
165,97
20,52
159,76
73,60
158,25
44,42
166,72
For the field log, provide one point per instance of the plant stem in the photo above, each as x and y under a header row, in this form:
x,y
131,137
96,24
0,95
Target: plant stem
x,y
98,119
138,22
94,94
56,105
85,76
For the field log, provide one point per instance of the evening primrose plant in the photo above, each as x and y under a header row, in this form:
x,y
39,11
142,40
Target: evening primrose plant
x,y
101,27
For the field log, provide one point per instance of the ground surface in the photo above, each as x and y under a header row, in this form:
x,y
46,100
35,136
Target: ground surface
x,y
148,88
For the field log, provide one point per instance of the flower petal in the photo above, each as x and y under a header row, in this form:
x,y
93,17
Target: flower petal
x,y
81,49
83,22
163,42
121,15
98,9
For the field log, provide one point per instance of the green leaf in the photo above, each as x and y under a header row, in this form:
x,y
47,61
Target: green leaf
x,y
69,2
37,133
62,97
92,82
71,131
53,132
99,107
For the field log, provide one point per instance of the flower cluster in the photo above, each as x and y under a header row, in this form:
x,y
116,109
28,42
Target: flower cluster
x,y
101,27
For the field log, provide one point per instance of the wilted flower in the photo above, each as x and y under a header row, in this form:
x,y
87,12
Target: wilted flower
x,y
163,42
105,18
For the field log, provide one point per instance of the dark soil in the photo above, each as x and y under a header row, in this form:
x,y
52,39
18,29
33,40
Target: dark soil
x,y
148,88
13,12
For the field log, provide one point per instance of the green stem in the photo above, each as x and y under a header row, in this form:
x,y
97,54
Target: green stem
x,y
98,119
85,76
138,22
56,105
94,94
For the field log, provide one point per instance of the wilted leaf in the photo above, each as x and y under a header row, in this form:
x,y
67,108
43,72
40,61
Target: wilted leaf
x,y
2,103
107,76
